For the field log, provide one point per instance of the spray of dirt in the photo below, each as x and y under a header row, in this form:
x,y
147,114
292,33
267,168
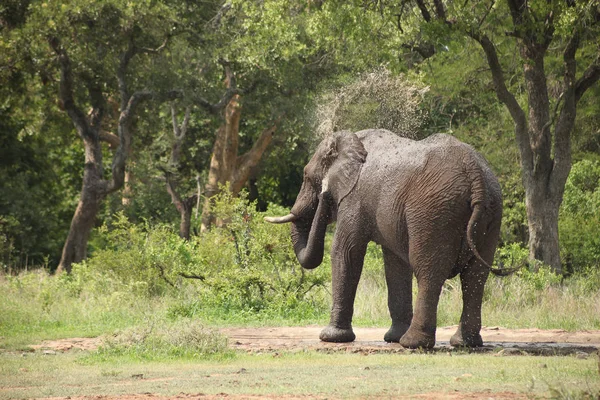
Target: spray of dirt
x,y
375,99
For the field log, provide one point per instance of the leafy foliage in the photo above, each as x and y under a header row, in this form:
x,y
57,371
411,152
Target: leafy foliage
x,y
248,266
580,217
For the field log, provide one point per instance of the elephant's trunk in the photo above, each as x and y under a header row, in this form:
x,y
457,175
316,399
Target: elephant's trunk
x,y
308,237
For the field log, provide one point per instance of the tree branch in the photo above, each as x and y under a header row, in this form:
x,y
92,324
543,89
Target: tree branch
x,y
566,119
124,60
179,132
125,137
148,50
487,12
65,91
172,190
249,160
110,138
440,11
192,276
507,98
588,79
424,11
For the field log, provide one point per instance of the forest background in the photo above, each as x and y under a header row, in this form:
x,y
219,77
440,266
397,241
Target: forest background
x,y
142,142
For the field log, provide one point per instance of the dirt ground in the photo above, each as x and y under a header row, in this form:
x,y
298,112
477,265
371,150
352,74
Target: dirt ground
x,y
500,341
531,341
201,396
370,340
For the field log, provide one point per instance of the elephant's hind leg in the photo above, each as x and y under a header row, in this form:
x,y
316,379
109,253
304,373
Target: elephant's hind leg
x,y
473,279
421,332
398,276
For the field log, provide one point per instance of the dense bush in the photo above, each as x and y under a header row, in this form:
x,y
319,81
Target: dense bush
x,y
579,224
247,265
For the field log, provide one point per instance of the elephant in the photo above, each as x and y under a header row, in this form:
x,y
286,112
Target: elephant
x,y
433,205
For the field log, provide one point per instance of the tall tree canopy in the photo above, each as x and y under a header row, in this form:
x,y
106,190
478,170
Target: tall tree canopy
x,y
556,43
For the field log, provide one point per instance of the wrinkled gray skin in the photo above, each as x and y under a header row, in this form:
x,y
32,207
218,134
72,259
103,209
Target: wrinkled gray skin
x,y
433,205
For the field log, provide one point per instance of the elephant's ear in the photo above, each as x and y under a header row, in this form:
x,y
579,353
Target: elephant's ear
x,y
345,171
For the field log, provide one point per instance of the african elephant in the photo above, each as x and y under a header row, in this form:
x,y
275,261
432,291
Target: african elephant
x,y
435,208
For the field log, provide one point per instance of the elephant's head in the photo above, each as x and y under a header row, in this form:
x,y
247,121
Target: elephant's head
x,y
329,177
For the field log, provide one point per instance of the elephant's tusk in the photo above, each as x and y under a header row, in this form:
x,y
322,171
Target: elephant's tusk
x,y
281,220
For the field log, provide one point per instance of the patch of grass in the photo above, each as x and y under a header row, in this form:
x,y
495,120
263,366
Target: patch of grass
x,y
155,340
306,373
524,300
37,306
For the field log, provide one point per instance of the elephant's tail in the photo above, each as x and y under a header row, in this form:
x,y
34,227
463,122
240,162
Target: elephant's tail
x,y
476,215
479,202
478,211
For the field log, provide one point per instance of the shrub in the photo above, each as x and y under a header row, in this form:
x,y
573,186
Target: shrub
x,y
135,259
579,224
247,265
511,255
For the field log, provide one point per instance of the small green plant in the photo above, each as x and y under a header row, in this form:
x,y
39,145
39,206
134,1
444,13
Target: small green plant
x,y
511,255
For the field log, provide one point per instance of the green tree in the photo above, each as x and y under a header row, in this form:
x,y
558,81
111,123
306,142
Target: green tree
x,y
540,32
100,52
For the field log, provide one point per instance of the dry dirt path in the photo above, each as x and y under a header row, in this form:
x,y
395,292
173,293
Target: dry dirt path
x,y
501,341
370,340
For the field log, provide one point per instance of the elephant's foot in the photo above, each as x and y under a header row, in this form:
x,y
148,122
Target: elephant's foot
x,y
413,339
337,335
395,332
466,340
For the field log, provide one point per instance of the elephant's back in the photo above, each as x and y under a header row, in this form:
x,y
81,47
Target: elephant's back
x,y
386,149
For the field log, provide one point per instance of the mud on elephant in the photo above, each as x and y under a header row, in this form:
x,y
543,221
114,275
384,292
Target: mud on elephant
x,y
434,206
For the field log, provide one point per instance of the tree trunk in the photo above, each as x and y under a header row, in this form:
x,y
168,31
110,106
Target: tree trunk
x,y
75,247
543,195
185,225
127,193
223,159
542,218
93,191
226,167
184,206
89,128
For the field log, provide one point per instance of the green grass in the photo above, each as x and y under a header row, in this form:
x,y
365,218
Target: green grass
x,y
165,344
306,373
518,301
36,306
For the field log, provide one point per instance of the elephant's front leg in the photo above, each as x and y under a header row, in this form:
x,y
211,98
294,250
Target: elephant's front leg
x,y
347,258
398,276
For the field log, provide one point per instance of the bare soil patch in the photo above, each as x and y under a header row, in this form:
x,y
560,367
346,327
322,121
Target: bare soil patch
x,y
200,396
275,340
370,340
